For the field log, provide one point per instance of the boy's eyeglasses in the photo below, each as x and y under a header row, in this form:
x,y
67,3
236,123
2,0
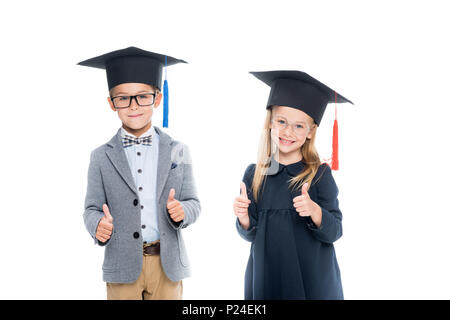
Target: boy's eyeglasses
x,y
142,99
298,128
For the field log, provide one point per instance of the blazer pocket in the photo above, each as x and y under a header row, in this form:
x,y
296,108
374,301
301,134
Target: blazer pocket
x,y
175,170
110,261
182,250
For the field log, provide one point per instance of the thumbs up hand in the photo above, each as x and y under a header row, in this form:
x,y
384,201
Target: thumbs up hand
x,y
240,207
174,207
105,226
306,207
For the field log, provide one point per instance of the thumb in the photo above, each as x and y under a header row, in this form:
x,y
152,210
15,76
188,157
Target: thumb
x,y
244,190
305,190
171,195
106,212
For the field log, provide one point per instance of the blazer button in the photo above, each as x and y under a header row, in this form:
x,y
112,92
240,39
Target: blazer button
x,y
136,235
135,202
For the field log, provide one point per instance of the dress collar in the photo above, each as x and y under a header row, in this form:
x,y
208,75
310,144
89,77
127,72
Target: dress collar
x,y
292,169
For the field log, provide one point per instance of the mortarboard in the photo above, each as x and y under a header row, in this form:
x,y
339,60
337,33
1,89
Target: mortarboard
x,y
297,89
134,65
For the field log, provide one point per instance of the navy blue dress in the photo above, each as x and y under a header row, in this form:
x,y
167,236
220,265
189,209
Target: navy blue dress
x,y
290,258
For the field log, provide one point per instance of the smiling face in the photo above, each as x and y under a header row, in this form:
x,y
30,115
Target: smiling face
x,y
135,119
290,128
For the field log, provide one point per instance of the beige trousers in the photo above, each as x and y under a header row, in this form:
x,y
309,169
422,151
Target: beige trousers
x,y
152,284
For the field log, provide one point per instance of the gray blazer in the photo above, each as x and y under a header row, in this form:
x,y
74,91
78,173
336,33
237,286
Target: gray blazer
x,y
110,181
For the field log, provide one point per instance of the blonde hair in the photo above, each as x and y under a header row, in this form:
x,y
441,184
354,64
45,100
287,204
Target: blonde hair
x,y
267,148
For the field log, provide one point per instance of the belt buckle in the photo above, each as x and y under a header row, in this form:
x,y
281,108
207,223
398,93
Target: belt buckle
x,y
143,249
146,245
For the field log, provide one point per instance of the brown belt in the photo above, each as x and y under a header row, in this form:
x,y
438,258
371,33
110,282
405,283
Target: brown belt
x,y
151,249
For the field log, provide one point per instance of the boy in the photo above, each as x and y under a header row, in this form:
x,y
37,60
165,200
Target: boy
x,y
140,191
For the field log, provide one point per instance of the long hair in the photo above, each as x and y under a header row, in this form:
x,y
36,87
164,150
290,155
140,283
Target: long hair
x,y
268,149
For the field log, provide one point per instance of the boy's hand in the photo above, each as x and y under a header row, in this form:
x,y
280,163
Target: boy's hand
x,y
174,207
240,207
306,207
105,226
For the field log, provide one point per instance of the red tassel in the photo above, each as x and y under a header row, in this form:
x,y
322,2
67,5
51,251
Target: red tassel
x,y
334,157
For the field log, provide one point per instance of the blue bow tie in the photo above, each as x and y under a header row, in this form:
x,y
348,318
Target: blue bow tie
x,y
128,141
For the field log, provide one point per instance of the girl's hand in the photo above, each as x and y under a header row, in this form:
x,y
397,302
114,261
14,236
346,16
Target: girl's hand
x,y
306,207
240,207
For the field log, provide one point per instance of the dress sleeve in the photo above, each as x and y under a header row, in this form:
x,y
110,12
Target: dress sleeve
x,y
330,229
250,233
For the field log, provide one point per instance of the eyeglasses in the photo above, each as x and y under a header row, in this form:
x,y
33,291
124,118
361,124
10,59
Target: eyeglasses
x,y
142,99
299,128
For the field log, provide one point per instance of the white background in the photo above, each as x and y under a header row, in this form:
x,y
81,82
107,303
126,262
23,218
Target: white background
x,y
390,58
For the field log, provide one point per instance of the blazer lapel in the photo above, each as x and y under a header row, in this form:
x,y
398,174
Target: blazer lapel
x,y
164,161
117,155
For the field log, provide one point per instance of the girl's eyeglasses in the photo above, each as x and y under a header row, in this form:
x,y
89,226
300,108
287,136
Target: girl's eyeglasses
x,y
299,128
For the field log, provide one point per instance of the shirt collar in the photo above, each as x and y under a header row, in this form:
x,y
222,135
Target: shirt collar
x,y
292,169
150,131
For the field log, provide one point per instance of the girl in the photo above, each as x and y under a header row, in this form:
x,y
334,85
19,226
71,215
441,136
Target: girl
x,y
288,207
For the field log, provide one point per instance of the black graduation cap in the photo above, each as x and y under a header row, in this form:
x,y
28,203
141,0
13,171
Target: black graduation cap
x,y
135,65
299,90
132,65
